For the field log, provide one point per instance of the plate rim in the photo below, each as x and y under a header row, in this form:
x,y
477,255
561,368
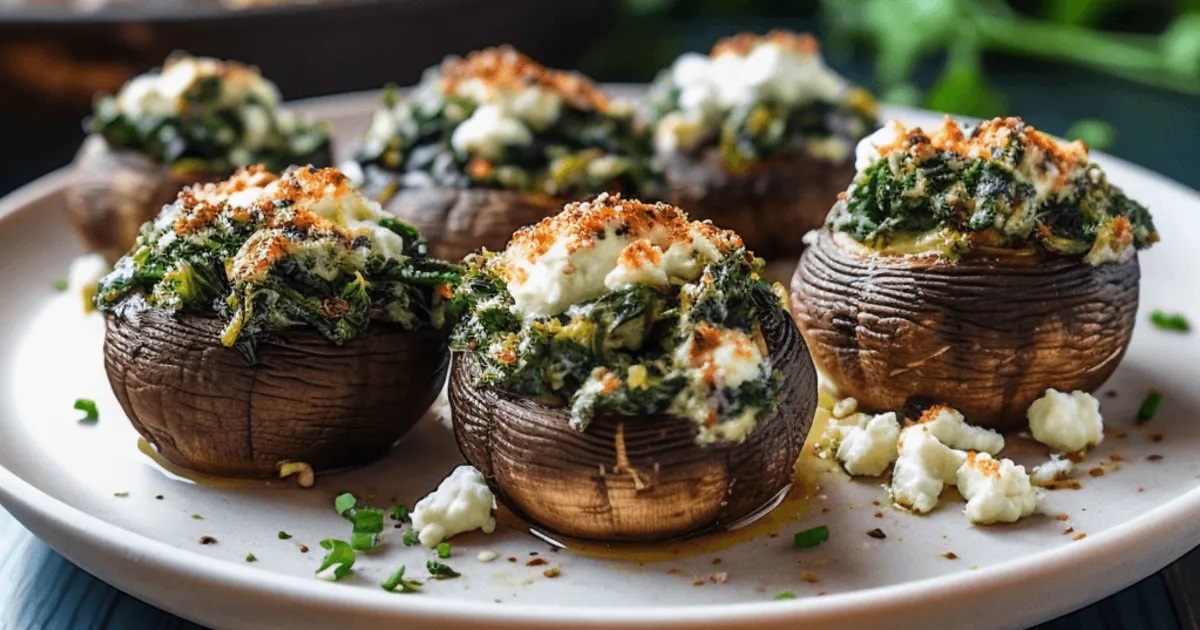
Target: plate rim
x,y
1127,543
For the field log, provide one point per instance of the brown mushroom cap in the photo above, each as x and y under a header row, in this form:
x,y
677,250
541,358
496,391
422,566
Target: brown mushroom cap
x,y
458,221
771,206
114,191
632,478
303,399
987,334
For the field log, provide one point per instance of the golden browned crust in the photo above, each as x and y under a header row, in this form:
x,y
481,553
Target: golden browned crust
x,y
743,44
504,68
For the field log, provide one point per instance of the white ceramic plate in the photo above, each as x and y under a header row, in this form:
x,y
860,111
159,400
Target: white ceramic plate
x,y
62,480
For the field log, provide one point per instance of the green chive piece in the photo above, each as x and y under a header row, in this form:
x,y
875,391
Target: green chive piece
x,y
443,550
344,503
251,558
1149,406
197,517
397,582
368,524
61,285
439,571
784,595
811,537
340,557
399,513
284,535
88,407
1170,321
410,538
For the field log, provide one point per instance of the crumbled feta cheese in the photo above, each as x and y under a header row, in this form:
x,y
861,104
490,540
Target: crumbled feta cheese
x,y
923,468
948,426
995,490
866,445
1067,423
1057,468
488,132
163,93
606,245
724,357
868,150
84,275
844,408
462,503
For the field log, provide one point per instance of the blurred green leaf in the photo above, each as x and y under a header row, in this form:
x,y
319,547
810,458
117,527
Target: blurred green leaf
x,y
962,89
1181,46
1097,134
1079,12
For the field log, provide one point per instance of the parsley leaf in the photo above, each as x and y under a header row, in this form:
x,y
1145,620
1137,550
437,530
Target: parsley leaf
x,y
340,558
439,571
284,535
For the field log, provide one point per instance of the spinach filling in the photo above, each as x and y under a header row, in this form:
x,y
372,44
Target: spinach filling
x,y
582,151
620,353
985,199
325,281
209,129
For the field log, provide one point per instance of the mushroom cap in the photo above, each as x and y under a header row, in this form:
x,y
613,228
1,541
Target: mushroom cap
x,y
632,478
772,205
114,191
986,334
303,398
458,221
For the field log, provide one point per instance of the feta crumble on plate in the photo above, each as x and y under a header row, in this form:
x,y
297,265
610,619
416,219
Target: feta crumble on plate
x,y
997,491
462,503
1068,423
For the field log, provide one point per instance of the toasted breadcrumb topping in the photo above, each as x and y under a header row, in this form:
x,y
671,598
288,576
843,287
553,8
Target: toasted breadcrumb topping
x,y
743,44
504,68
582,223
988,141
986,466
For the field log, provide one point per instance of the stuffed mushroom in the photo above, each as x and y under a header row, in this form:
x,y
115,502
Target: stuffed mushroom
x,y
267,319
623,373
492,142
972,268
758,136
195,120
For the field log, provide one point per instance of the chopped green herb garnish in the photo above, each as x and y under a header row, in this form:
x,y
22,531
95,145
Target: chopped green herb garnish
x,y
410,538
439,571
1170,321
251,558
784,595
344,503
368,524
122,494
197,517
284,535
443,550
60,285
399,513
397,582
811,537
340,557
1149,406
88,407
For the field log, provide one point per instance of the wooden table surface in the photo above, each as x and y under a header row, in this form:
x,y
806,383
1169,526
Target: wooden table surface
x,y
41,589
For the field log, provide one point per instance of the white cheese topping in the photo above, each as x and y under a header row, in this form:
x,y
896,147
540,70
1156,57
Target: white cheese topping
x,y
162,93
1057,468
604,246
865,444
867,151
488,131
1068,423
995,490
948,426
462,503
923,468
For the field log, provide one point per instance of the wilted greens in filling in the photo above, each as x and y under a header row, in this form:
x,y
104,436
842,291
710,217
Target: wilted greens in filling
x,y
264,254
198,114
636,351
1004,185
497,119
